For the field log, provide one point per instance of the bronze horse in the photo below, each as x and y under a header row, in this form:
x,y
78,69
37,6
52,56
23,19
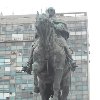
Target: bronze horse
x,y
49,62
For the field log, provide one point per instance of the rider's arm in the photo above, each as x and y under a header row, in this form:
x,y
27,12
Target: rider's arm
x,y
30,61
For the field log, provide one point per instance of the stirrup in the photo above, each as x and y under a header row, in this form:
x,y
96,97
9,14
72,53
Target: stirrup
x,y
36,89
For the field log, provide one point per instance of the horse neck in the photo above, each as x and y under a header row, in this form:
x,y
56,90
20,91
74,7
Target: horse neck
x,y
46,42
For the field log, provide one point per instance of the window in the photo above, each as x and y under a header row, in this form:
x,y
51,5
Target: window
x,y
18,68
9,27
6,86
6,95
1,86
17,36
2,60
1,96
26,26
19,47
19,64
32,26
2,63
78,53
20,27
7,61
25,59
15,27
84,57
77,57
19,59
30,85
7,68
72,33
84,33
4,28
78,33
13,48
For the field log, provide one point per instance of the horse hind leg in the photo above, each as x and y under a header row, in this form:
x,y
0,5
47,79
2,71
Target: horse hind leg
x,y
65,86
44,97
65,92
56,84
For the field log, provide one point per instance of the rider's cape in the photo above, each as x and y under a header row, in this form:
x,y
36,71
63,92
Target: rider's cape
x,y
61,28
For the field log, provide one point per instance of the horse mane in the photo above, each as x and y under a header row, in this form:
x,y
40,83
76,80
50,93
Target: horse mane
x,y
44,29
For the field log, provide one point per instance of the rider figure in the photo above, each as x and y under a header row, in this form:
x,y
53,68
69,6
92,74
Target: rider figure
x,y
62,32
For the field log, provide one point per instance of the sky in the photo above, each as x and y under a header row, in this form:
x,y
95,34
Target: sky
x,y
20,7
9,7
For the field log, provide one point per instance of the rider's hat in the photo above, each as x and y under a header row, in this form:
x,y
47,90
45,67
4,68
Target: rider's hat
x,y
50,11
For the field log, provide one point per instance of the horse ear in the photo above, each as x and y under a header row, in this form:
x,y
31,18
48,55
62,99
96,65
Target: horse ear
x,y
37,15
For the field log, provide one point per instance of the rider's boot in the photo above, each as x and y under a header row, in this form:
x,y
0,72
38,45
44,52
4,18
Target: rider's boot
x,y
69,57
36,89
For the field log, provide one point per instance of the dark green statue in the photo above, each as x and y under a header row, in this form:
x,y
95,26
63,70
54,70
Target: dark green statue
x,y
50,57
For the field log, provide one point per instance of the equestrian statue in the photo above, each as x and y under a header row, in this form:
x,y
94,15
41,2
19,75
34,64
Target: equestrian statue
x,y
50,59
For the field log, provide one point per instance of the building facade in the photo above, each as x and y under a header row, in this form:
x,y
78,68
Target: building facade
x,y
16,37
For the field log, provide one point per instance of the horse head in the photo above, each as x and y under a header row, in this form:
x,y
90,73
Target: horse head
x,y
43,25
45,32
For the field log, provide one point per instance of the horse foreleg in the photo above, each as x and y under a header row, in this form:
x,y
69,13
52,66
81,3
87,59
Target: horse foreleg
x,y
43,92
57,81
34,68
